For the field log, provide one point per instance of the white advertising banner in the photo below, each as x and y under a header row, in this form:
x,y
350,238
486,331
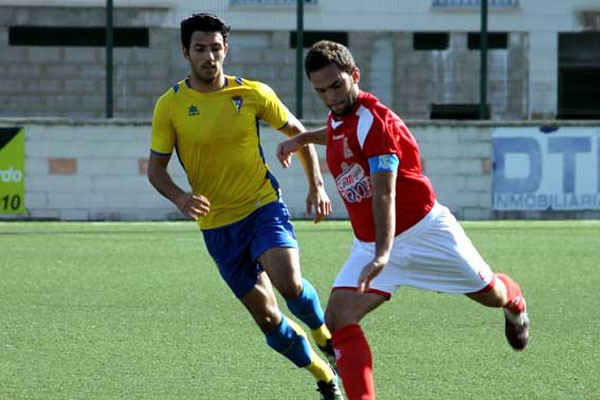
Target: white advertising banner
x,y
546,169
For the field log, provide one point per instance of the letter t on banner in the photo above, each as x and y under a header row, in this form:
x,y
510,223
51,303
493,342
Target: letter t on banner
x,y
569,147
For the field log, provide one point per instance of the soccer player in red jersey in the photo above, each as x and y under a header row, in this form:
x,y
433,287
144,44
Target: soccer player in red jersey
x,y
403,236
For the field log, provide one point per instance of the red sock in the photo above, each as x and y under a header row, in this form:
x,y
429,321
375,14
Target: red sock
x,y
516,301
354,362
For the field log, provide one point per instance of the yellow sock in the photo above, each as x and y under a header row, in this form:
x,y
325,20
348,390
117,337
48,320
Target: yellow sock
x,y
297,328
319,368
321,335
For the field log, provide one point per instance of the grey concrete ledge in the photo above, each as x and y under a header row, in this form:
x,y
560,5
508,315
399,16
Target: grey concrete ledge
x,y
22,121
475,123
50,121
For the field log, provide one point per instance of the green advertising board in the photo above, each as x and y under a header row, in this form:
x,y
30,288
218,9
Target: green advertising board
x,y
12,170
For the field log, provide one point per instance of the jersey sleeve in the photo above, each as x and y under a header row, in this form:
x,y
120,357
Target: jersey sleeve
x,y
163,134
270,108
381,138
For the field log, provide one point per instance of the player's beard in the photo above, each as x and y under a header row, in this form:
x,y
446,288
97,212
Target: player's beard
x,y
208,75
349,103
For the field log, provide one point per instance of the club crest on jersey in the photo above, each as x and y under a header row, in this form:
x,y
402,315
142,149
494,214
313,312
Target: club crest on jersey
x,y
353,184
237,102
193,110
347,152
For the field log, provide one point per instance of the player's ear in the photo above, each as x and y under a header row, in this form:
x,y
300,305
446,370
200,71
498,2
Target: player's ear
x,y
185,52
355,75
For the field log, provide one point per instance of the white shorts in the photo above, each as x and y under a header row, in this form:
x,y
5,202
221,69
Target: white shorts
x,y
434,254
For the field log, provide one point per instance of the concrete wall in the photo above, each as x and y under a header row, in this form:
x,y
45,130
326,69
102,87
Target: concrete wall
x,y
452,77
69,81
91,171
408,80
395,15
523,80
95,170
358,15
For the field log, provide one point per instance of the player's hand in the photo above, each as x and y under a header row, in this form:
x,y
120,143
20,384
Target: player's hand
x,y
317,198
193,205
370,271
285,150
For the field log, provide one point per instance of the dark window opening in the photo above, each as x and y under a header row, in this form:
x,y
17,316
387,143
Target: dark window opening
x,y
312,37
474,3
71,36
496,40
579,75
457,111
269,2
430,40
579,93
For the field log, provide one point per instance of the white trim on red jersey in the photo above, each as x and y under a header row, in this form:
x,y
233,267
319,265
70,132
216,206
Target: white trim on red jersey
x,y
365,121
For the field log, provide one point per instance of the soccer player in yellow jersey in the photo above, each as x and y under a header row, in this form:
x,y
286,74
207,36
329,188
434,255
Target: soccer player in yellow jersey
x,y
211,120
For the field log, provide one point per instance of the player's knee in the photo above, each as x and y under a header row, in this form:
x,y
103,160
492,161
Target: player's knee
x,y
268,321
330,320
338,317
290,289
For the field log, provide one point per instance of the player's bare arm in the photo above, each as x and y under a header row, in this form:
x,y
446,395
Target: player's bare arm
x,y
317,197
384,217
286,148
191,205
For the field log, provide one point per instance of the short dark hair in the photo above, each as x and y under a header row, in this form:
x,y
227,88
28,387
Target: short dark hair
x,y
326,52
205,22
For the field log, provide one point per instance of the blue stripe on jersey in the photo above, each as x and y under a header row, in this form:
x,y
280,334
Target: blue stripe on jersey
x,y
179,157
384,163
260,150
274,182
269,175
238,80
159,154
176,87
284,125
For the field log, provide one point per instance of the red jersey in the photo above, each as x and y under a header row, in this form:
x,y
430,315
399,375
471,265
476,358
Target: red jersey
x,y
371,129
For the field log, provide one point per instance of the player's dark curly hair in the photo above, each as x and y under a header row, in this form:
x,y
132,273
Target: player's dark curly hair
x,y
205,22
326,52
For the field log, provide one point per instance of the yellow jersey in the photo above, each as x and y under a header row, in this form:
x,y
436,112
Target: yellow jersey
x,y
216,137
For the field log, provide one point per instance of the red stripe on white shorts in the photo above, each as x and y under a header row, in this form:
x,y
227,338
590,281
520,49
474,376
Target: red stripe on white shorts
x,y
489,286
374,291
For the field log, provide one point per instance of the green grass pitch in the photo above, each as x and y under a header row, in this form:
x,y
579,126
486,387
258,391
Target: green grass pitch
x,y
138,311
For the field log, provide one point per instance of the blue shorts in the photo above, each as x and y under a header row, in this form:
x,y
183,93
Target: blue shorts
x,y
236,247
